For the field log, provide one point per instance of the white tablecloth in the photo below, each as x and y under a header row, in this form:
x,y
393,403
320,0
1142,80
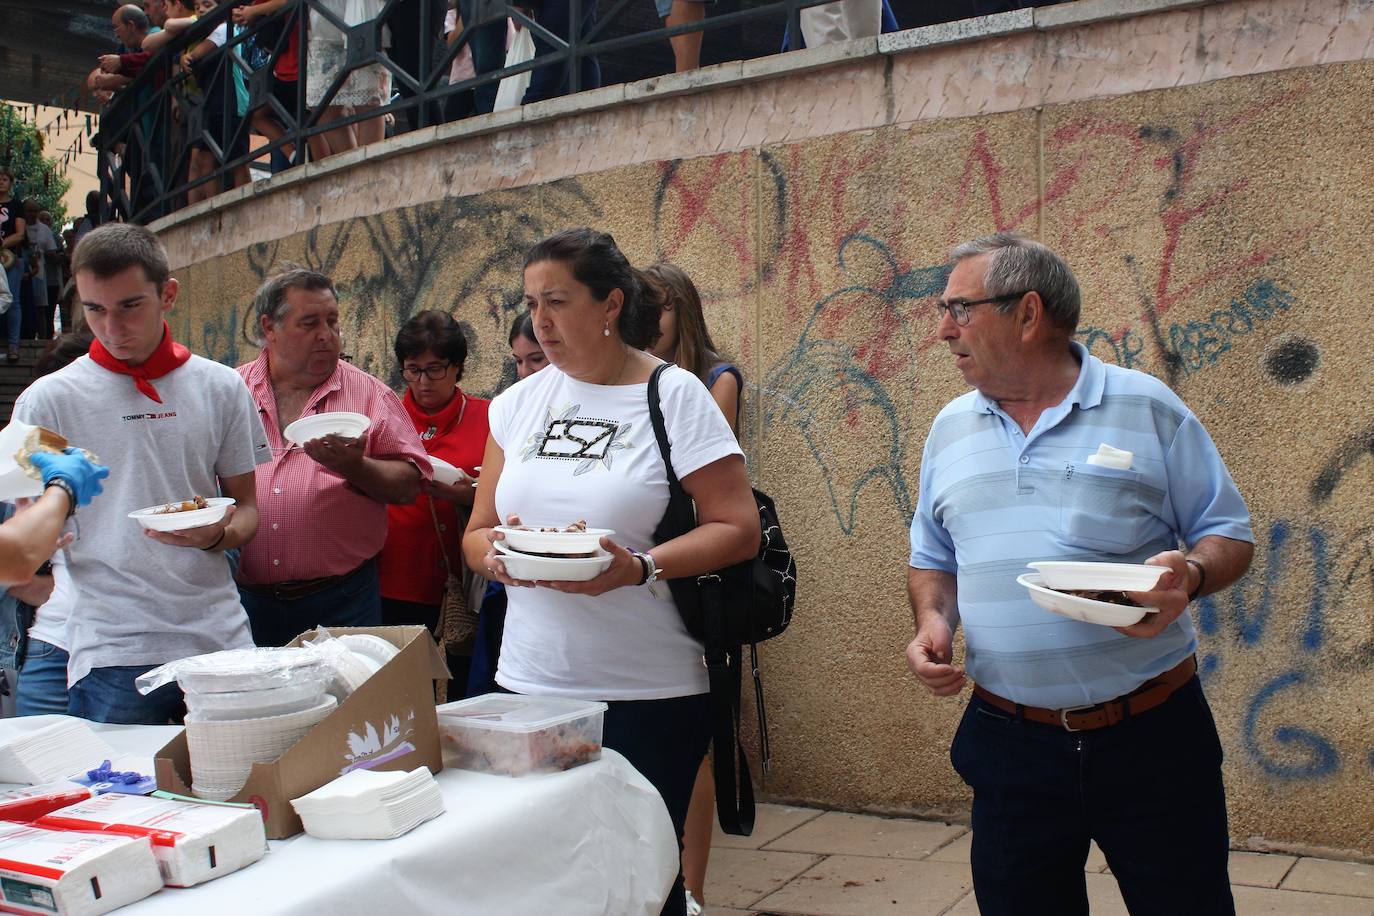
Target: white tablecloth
x,y
595,839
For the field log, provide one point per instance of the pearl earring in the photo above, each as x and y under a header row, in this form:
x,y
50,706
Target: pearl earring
x,y
606,330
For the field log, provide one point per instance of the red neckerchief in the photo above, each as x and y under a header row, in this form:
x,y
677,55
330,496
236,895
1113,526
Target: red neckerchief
x,y
169,355
442,422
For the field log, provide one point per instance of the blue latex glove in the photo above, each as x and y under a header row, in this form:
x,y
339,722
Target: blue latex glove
x,y
76,469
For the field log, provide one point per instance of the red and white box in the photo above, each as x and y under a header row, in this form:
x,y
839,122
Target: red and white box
x,y
193,843
72,874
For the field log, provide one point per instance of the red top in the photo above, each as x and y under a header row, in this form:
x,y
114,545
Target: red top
x,y
287,67
411,566
311,523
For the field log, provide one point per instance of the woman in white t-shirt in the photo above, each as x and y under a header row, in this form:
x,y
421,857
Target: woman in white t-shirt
x,y
574,441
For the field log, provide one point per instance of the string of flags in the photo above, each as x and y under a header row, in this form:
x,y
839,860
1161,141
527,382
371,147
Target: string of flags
x,y
68,116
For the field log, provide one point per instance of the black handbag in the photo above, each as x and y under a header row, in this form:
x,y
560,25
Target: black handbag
x,y
742,604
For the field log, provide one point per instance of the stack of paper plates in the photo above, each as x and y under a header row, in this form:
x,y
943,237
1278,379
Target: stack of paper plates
x,y
223,751
30,754
366,805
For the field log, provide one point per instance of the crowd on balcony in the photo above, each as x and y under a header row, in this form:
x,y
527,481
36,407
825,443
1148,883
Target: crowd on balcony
x,y
195,85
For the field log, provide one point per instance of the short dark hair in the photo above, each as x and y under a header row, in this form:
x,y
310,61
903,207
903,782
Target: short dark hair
x,y
523,327
435,332
115,247
270,300
598,264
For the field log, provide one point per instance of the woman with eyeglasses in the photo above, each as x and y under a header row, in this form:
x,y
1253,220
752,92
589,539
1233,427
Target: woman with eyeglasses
x,y
452,424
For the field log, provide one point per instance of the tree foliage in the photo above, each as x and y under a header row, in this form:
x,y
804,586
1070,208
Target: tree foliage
x,y
36,176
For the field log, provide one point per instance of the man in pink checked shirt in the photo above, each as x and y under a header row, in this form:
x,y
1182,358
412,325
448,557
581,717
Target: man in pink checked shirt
x,y
322,505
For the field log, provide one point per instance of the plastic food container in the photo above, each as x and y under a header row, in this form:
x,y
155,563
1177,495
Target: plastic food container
x,y
512,735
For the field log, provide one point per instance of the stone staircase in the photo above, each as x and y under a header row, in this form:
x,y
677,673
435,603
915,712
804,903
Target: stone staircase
x,y
16,376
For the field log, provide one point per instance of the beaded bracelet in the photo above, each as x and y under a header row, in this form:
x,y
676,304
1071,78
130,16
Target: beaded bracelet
x,y
67,488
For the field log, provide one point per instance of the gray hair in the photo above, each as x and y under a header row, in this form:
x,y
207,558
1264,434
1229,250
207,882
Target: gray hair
x,y
270,301
1019,263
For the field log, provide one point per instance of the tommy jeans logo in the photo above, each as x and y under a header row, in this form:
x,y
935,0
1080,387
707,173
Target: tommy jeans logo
x,y
150,416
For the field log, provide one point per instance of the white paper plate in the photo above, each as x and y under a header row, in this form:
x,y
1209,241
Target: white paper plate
x,y
1084,609
341,422
14,483
553,569
180,521
446,473
1108,577
524,540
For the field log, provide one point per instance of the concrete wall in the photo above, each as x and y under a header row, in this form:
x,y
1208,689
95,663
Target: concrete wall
x,y
1204,169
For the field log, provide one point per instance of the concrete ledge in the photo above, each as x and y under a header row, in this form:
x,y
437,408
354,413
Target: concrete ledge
x,y
592,99
670,84
1085,11
958,32
809,58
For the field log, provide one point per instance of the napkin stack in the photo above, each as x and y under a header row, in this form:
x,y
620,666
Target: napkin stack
x,y
366,805
32,803
193,843
72,874
55,751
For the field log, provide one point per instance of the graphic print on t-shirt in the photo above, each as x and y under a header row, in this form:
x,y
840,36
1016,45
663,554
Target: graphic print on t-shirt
x,y
568,437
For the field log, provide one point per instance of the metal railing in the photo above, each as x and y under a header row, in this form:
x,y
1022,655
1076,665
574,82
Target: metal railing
x,y
176,130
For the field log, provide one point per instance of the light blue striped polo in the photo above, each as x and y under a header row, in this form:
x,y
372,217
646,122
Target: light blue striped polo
x,y
994,499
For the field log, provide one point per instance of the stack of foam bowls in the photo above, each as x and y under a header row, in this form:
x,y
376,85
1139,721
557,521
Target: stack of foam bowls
x,y
245,707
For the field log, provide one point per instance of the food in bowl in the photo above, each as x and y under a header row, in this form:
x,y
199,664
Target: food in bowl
x,y
188,505
565,542
579,527
1108,596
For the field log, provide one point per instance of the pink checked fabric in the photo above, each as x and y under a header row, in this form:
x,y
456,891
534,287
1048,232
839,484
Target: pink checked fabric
x,y
313,524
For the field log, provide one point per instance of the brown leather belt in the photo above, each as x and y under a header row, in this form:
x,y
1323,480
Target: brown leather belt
x,y
297,588
1100,715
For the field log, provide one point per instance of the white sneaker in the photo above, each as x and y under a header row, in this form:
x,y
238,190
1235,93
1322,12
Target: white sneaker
x,y
693,908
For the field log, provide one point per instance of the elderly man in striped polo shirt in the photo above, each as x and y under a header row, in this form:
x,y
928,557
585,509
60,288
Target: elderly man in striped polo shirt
x,y
1075,731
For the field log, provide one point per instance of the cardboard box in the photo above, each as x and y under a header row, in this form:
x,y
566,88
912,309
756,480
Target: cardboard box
x,y
387,724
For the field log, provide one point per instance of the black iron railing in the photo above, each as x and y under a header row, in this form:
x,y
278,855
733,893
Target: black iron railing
x,y
177,133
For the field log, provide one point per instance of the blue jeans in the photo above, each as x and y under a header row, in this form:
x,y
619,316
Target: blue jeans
x,y
15,316
665,741
354,602
42,686
108,695
1148,790
491,625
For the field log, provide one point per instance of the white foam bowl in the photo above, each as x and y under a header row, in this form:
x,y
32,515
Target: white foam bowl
x,y
446,473
524,540
1106,577
1079,608
180,521
316,426
553,569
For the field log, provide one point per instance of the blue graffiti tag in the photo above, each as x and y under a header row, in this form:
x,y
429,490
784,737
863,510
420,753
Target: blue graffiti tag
x,y
1321,758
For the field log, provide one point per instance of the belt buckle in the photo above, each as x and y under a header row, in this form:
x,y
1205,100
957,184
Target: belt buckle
x,y
1064,716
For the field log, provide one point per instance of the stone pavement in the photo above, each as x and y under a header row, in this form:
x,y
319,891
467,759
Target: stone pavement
x,y
827,863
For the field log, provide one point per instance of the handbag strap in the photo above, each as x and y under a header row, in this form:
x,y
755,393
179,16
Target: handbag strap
x,y
439,535
734,783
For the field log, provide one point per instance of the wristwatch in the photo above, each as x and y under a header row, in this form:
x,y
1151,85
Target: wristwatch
x,y
1201,579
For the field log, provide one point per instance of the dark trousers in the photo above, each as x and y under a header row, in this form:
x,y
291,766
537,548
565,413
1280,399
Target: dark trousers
x,y
486,652
664,740
552,81
411,613
411,36
488,44
1148,790
353,602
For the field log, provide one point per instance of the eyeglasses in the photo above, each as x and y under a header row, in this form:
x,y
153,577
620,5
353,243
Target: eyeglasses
x,y
433,370
959,308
